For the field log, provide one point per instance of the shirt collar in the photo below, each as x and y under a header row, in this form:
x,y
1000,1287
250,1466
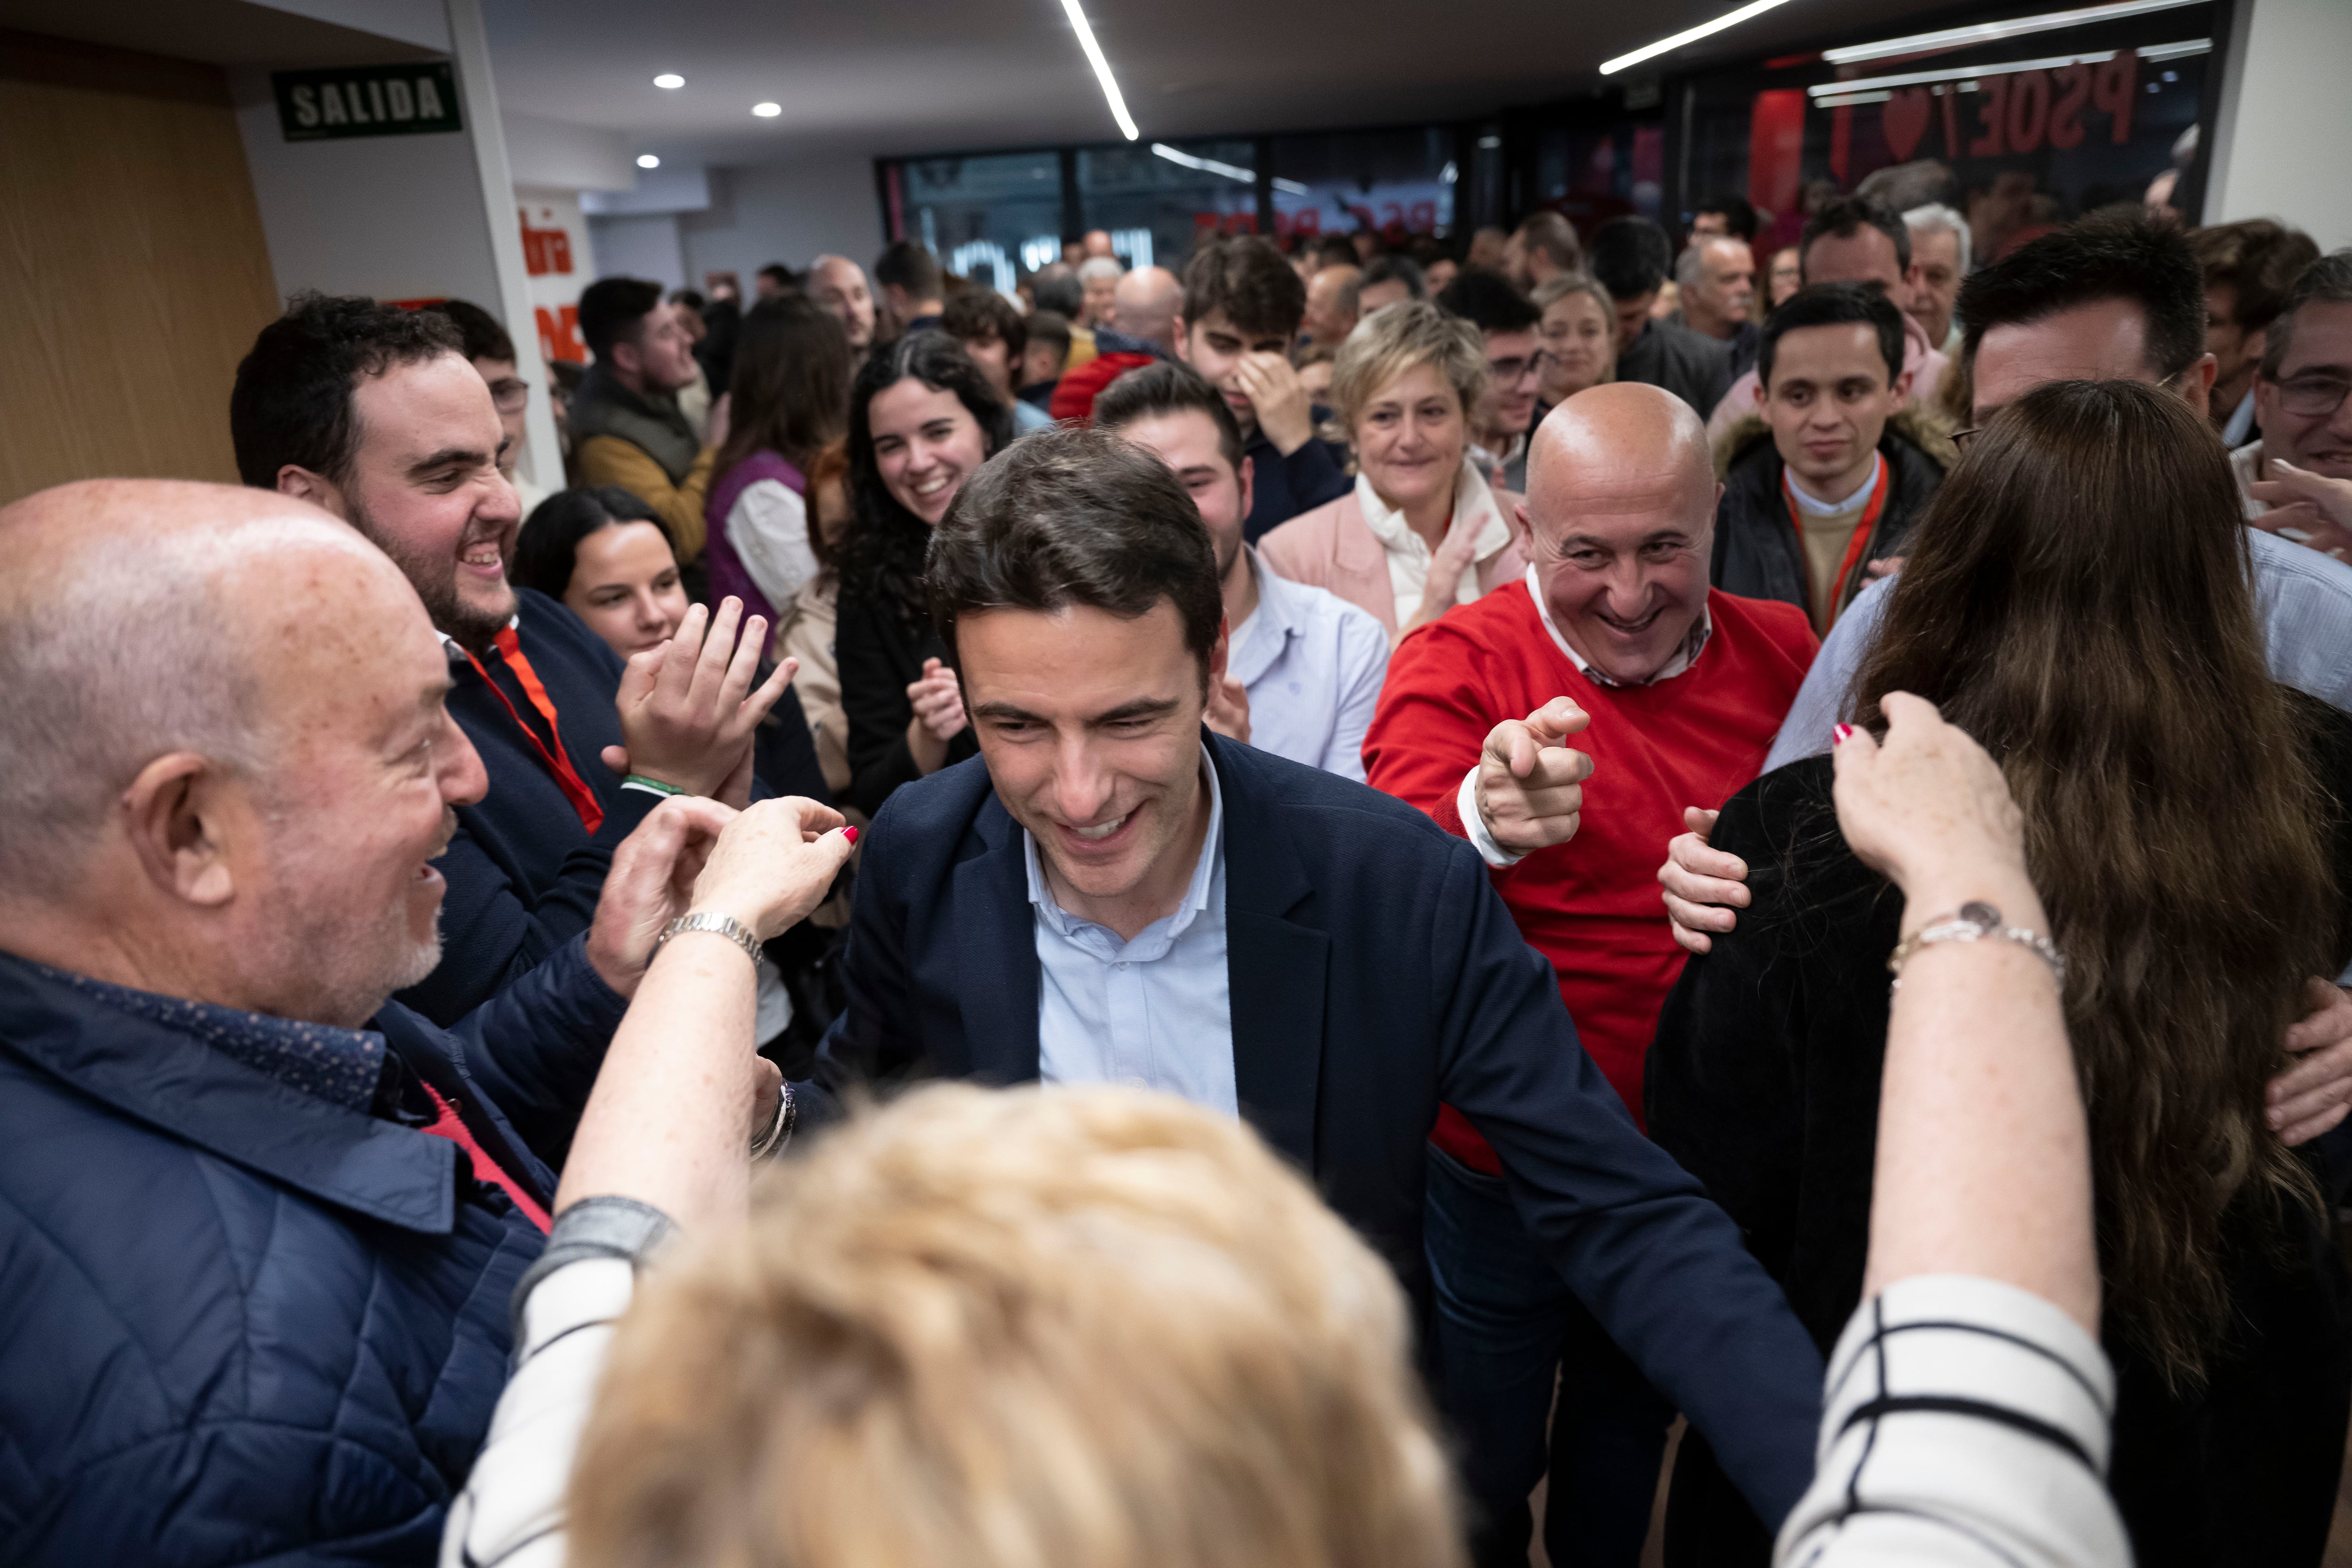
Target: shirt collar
x,y
1257,642
1471,497
1196,891
1692,645
339,1066
1806,503
2241,422
455,650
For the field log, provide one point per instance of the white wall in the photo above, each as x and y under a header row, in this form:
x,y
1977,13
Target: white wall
x,y
640,247
557,155
789,213
2285,120
398,217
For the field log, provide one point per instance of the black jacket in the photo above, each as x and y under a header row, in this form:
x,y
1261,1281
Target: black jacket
x,y
1282,487
1757,552
1375,974
880,653
1692,366
1763,1081
524,874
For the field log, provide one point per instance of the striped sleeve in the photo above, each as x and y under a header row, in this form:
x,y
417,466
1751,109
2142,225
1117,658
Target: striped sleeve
x,y
1965,1425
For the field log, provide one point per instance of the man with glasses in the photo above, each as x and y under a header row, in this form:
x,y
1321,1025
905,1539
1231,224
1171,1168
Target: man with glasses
x,y
493,354
2298,476
1498,426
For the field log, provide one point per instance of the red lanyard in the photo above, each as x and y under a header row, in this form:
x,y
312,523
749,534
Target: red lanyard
x,y
1854,546
584,799
450,1125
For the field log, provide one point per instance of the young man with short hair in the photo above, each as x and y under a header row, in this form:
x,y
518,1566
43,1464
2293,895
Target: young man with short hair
x,y
1726,215
1045,351
912,288
997,338
372,413
1500,424
2250,266
1855,241
493,353
1306,666
1243,304
627,428
1822,489
1629,258
1110,892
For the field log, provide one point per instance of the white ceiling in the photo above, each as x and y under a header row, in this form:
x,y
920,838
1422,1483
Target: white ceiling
x,y
882,77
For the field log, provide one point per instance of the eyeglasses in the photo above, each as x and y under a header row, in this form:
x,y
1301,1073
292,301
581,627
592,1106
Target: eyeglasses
x,y
1960,439
2312,397
1510,372
510,397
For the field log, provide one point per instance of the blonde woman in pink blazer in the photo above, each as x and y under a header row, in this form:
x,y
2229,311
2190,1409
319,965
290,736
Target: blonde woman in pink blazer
x,y
1421,532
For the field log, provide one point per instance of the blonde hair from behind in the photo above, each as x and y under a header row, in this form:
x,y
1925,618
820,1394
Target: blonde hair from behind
x,y
1387,343
1040,1328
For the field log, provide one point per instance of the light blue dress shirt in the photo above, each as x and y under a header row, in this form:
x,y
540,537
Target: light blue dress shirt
x,y
1155,1013
1312,664
2302,598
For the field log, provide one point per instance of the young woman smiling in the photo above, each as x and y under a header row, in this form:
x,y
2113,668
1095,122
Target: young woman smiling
x,y
922,418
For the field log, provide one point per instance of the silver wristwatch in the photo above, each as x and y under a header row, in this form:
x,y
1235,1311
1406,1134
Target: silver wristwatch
x,y
728,926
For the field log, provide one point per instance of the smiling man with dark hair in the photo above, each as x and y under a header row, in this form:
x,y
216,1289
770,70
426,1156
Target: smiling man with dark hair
x,y
1110,892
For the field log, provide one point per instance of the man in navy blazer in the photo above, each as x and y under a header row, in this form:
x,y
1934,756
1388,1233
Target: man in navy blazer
x,y
1109,891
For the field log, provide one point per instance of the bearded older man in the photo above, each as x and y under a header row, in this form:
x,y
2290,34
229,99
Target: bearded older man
x,y
1676,692
259,1226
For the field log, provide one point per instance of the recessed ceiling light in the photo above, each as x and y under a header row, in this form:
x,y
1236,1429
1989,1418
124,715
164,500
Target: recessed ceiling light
x,y
767,110
1689,36
1102,69
669,79
648,161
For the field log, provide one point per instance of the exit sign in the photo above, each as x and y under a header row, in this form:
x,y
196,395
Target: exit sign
x,y
366,101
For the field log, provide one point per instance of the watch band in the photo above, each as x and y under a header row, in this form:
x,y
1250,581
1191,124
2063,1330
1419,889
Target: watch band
x,y
1976,921
728,926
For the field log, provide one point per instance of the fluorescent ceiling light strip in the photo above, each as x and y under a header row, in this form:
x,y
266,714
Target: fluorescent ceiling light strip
x,y
1956,73
1102,70
1291,187
2179,51
1691,36
1206,165
1986,32
1852,99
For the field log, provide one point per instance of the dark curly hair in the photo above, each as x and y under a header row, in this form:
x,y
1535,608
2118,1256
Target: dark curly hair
x,y
882,552
292,399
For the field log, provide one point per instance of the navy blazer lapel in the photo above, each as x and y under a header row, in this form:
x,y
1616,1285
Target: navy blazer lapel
x,y
1277,969
995,933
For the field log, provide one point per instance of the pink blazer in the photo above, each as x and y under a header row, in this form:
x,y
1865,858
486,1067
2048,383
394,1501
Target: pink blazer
x,y
1332,547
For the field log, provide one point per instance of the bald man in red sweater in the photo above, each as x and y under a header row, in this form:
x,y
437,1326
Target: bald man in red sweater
x,y
1674,693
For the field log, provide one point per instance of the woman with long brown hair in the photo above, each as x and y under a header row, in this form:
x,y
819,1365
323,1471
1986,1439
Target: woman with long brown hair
x,y
2077,601
788,400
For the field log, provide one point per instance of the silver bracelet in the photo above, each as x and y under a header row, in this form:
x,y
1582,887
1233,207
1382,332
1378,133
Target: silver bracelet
x,y
728,926
780,1132
1976,921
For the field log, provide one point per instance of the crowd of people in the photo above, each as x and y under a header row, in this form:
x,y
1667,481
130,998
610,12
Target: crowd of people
x,y
1304,853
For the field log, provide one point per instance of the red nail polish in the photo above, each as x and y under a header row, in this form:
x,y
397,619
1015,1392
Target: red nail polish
x,y
850,834
1839,734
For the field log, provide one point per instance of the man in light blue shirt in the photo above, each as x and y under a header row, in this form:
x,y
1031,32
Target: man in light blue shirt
x,y
1153,1012
1304,666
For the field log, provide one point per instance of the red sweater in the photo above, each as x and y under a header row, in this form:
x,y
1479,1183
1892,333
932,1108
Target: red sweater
x,y
1591,906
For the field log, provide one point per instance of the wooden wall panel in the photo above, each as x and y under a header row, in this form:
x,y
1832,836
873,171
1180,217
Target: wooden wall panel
x,y
134,271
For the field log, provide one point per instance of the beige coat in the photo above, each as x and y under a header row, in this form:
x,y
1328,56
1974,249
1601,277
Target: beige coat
x,y
1333,547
